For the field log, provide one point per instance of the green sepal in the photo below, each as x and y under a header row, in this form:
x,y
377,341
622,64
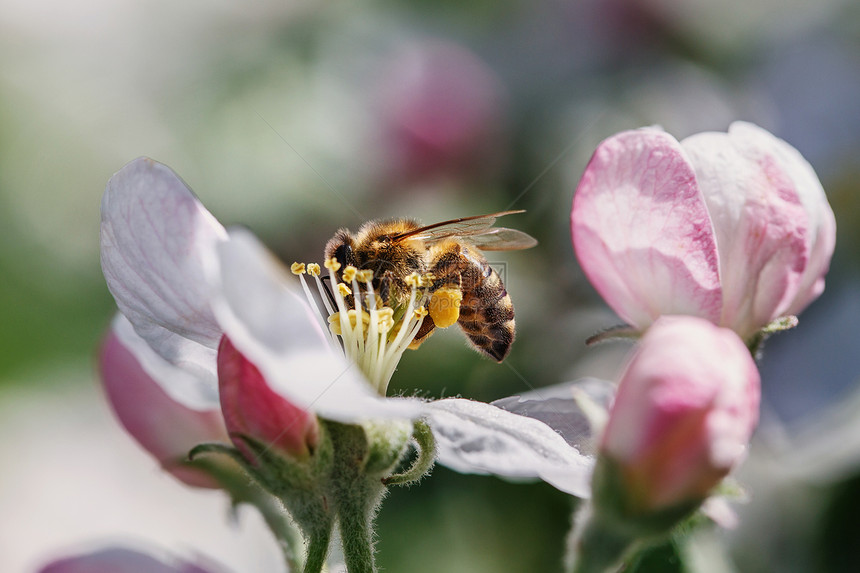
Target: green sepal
x,y
426,445
622,331
618,509
756,342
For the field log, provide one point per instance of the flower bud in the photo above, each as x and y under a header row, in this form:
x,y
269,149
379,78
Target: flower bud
x,y
165,428
732,227
683,415
252,409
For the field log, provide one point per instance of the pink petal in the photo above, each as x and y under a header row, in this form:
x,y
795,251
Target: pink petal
x,y
642,232
154,237
118,560
164,427
253,409
820,218
764,232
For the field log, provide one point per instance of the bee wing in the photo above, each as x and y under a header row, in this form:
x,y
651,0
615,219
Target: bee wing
x,y
502,239
463,227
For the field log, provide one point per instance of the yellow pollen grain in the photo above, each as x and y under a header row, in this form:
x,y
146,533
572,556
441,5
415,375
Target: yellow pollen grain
x,y
365,276
349,273
413,280
444,306
332,264
314,269
343,289
298,268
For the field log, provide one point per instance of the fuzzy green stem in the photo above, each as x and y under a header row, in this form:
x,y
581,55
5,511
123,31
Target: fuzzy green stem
x,y
317,550
596,546
356,528
242,490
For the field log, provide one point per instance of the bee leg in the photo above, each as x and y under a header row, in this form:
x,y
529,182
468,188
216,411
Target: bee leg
x,y
427,328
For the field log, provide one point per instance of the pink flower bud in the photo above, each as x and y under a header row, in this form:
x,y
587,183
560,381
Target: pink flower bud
x,y
732,227
251,408
684,412
165,428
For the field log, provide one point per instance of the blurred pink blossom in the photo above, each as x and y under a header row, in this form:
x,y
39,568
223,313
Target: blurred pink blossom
x,y
731,227
442,111
165,428
683,415
119,560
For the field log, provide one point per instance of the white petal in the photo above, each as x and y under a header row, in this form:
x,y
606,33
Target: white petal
x,y
192,382
567,409
155,235
274,328
474,437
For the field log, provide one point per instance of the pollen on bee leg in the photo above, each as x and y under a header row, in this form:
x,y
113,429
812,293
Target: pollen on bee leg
x,y
297,268
332,264
313,269
444,306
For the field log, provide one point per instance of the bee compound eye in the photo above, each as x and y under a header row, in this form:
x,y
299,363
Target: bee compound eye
x,y
343,254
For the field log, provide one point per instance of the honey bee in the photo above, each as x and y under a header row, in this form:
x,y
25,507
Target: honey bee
x,y
464,287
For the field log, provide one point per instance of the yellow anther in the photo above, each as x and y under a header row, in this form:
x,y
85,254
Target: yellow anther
x,y
444,306
343,289
419,313
332,264
335,321
349,273
298,268
413,280
427,280
314,269
385,319
365,276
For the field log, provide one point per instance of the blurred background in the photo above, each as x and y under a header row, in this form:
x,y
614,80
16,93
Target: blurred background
x,y
295,118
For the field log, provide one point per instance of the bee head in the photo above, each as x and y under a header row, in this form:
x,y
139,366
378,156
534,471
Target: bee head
x,y
339,247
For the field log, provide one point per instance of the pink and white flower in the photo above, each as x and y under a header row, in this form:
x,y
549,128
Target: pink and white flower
x,y
184,282
683,415
731,227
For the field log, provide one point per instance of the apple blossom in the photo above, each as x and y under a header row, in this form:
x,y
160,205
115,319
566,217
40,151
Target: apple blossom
x,y
731,227
185,284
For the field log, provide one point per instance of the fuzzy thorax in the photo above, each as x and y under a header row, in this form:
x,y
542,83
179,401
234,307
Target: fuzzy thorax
x,y
368,332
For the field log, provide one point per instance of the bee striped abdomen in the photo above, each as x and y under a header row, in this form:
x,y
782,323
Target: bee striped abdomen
x,y
486,312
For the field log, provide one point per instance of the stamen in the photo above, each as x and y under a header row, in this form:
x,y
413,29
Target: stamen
x,y
314,269
349,273
365,276
332,265
298,268
343,289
